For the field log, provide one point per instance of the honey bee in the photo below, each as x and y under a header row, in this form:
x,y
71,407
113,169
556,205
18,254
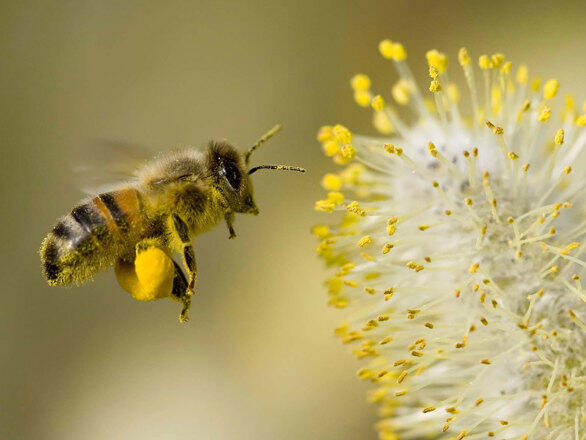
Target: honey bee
x,y
141,224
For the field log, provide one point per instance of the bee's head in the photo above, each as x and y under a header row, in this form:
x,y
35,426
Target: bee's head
x,y
230,171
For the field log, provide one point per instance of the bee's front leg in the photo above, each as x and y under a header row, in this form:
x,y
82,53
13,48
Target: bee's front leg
x,y
229,218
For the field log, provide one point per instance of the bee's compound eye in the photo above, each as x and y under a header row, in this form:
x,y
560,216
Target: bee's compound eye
x,y
232,174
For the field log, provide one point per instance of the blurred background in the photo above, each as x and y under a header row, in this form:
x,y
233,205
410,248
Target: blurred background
x,y
258,359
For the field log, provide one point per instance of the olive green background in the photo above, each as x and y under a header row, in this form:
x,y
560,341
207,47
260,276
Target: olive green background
x,y
258,360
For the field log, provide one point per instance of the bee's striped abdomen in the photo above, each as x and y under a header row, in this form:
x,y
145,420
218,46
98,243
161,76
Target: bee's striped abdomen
x,y
91,237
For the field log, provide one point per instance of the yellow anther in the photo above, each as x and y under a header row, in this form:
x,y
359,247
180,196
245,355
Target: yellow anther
x,y
479,401
370,290
360,82
348,152
522,74
428,409
400,92
423,227
378,103
391,229
331,147
513,155
325,133
387,247
383,318
484,62
386,340
342,134
497,60
437,59
320,231
463,57
559,137
526,167
435,86
581,121
335,197
385,47
356,209
432,149
364,241
544,114
331,182
399,52
400,393
416,353
390,50
506,69
535,84
461,435
453,92
402,376
474,268
468,201
324,205
485,361
350,283
429,325
550,88
433,72
362,98
567,170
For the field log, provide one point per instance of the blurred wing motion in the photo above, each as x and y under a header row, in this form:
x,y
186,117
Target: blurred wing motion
x,y
105,163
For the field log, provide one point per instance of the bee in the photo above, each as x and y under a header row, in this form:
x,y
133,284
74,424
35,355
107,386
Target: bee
x,y
140,225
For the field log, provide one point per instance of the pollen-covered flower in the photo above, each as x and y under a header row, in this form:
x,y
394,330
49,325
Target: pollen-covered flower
x,y
458,252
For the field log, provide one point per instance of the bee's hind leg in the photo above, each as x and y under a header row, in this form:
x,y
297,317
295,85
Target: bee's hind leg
x,y
180,292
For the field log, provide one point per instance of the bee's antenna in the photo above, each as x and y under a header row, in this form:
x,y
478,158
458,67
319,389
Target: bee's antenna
x,y
276,167
265,137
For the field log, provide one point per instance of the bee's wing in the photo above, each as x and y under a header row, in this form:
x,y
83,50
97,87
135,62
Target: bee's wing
x,y
105,163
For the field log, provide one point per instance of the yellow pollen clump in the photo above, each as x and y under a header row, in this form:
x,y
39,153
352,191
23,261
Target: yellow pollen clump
x,y
522,75
435,86
400,92
497,60
342,134
550,88
437,59
581,121
331,182
378,103
331,148
325,133
364,241
320,231
348,152
360,82
559,137
433,72
390,50
335,197
463,57
506,69
324,205
362,98
544,115
484,62
387,247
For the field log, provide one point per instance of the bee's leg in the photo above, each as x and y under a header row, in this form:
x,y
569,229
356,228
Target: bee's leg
x,y
182,232
229,217
179,293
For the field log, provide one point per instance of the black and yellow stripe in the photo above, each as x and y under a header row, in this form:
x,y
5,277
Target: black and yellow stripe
x,y
92,236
